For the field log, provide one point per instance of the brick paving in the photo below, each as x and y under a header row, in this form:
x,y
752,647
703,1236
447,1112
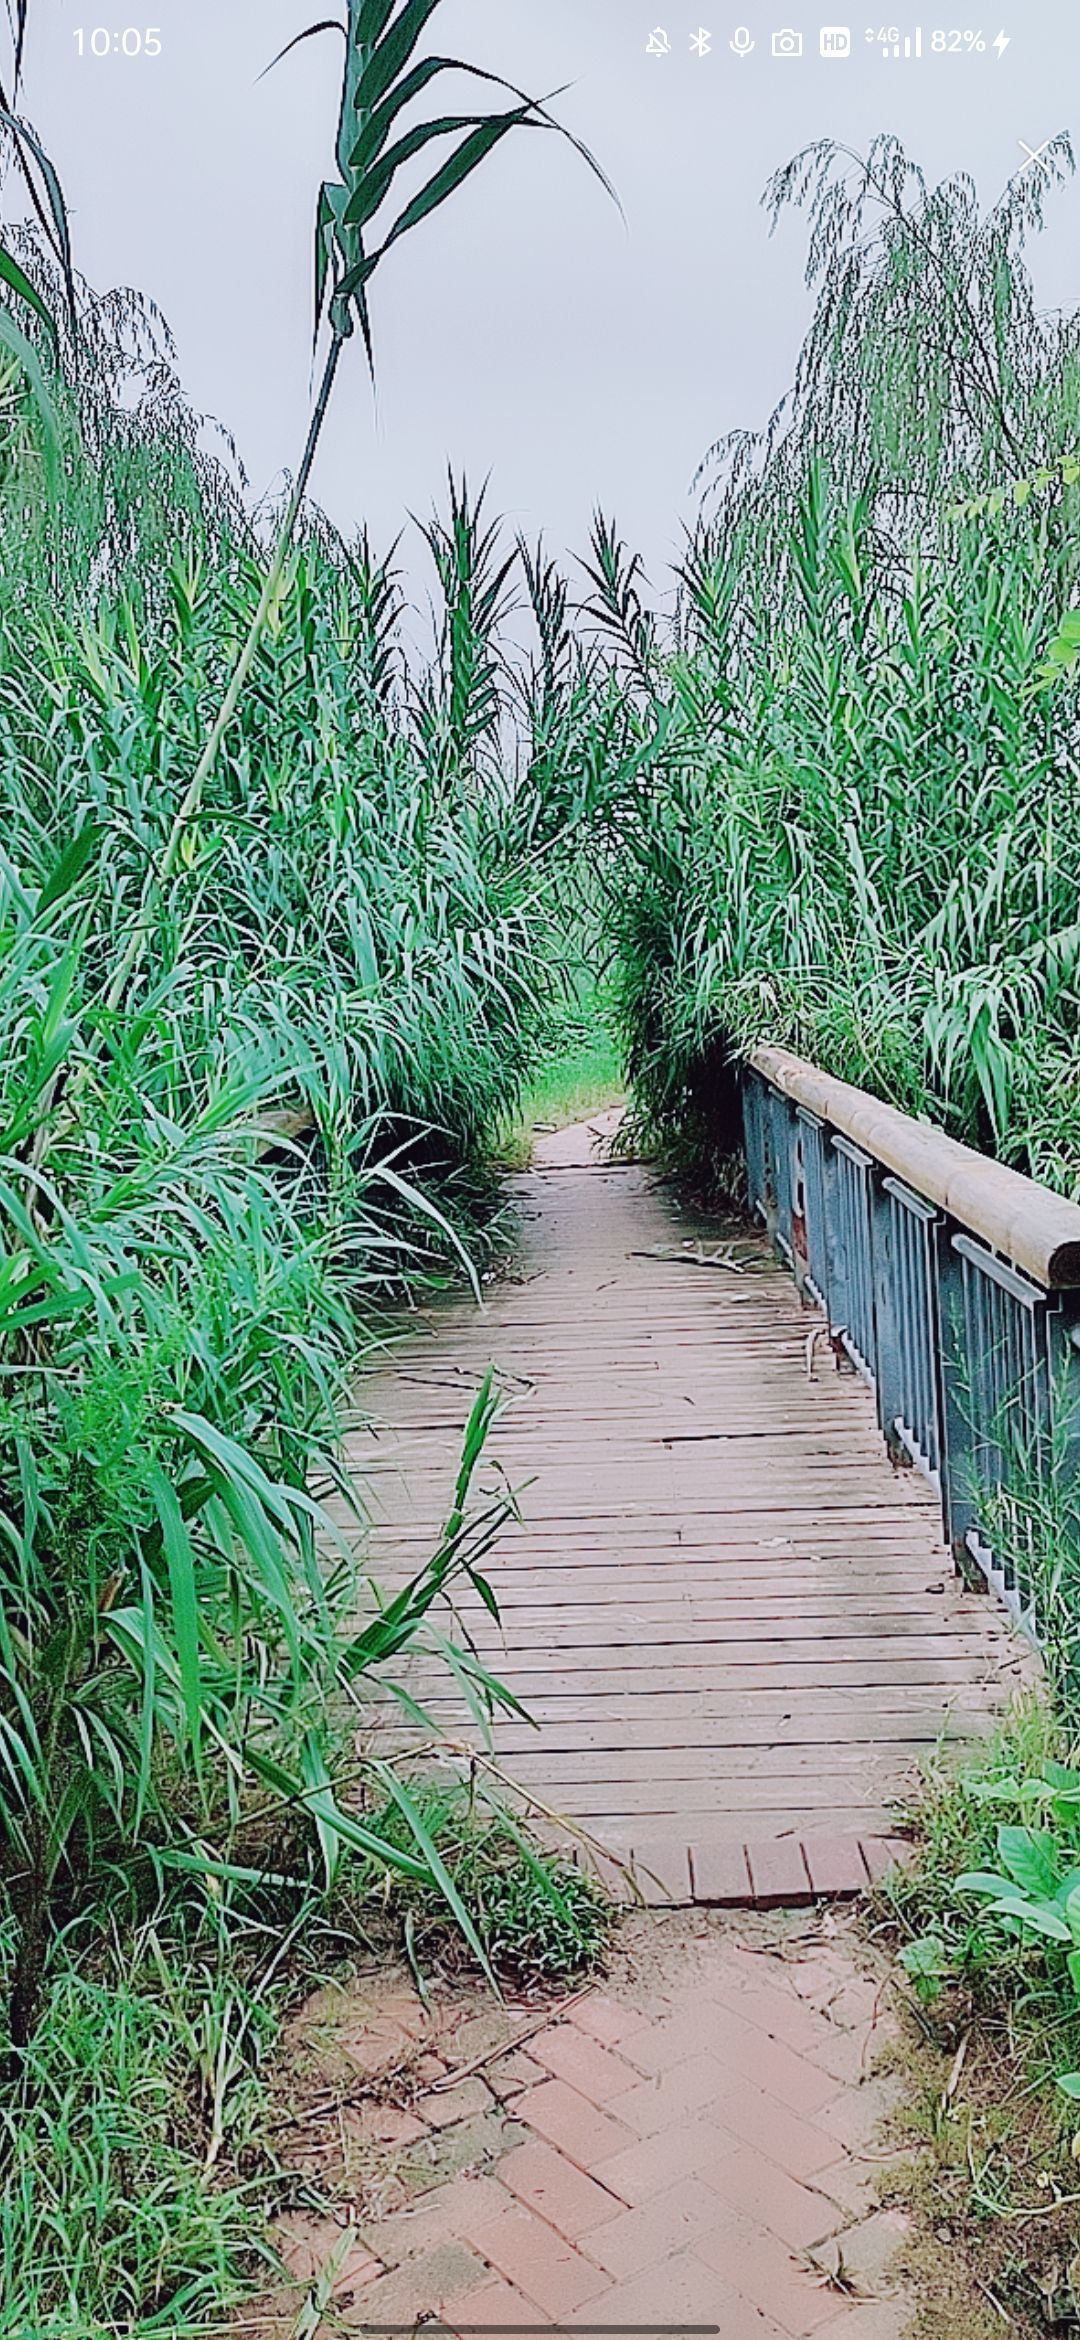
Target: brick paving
x,y
704,2155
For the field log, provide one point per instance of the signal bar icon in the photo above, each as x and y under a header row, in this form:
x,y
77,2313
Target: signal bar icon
x,y
910,46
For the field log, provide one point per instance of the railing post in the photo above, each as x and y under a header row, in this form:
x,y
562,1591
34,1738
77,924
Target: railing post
x,y
959,1511
850,1251
753,1104
890,1390
812,1146
784,1165
837,1289
909,1333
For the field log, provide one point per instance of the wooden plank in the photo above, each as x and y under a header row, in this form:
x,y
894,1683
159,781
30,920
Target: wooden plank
x,y
690,1723
687,1733
778,1874
791,1804
732,1826
710,1655
700,1624
637,1766
844,1672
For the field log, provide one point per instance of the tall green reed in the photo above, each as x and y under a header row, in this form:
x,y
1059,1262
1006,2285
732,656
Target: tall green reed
x,y
215,1176
360,218
861,835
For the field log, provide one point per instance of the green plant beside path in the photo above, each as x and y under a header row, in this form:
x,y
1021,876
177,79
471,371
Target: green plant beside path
x,y
180,1307
857,833
274,966
581,1073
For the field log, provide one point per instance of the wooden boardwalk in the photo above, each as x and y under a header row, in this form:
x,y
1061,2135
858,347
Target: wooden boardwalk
x,y
732,1621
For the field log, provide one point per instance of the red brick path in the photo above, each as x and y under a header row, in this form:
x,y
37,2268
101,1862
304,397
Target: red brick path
x,y
706,2158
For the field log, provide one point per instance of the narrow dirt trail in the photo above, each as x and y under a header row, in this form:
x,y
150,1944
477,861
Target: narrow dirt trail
x,y
734,1624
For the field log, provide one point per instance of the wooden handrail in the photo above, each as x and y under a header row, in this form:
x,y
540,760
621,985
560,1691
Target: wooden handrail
x,y
1038,1231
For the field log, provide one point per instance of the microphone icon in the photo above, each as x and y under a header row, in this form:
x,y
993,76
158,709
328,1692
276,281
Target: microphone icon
x,y
743,41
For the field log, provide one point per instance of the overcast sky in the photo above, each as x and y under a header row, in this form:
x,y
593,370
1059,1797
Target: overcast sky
x,y
526,331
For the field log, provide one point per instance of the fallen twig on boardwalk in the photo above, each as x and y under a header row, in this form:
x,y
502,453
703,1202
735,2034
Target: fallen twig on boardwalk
x,y
695,1257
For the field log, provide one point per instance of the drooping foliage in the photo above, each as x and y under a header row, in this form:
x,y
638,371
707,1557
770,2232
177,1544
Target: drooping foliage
x,y
214,1177
275,950
864,842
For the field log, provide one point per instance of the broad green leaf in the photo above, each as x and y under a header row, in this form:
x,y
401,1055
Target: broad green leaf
x,y
70,867
466,159
1031,1857
1062,1777
926,1957
1009,1900
19,283
372,138
393,53
317,1781
376,183
438,1870
180,1562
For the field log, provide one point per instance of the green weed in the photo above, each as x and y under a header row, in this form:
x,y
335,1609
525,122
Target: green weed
x,y
275,964
580,1073
133,2152
994,2174
854,829
539,1918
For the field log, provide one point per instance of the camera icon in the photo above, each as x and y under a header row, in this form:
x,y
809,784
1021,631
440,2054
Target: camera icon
x,y
787,43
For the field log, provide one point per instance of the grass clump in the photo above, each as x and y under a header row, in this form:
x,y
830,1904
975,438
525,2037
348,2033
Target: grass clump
x,y
580,1072
957,1815
853,829
138,2163
996,2004
541,1920
132,2149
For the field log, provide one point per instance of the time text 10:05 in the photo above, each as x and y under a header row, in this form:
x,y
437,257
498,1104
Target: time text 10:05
x,y
131,41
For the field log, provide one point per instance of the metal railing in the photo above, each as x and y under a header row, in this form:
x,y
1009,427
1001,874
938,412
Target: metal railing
x,y
951,1284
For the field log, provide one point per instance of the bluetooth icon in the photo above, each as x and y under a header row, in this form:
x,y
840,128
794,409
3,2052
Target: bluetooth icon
x,y
701,43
